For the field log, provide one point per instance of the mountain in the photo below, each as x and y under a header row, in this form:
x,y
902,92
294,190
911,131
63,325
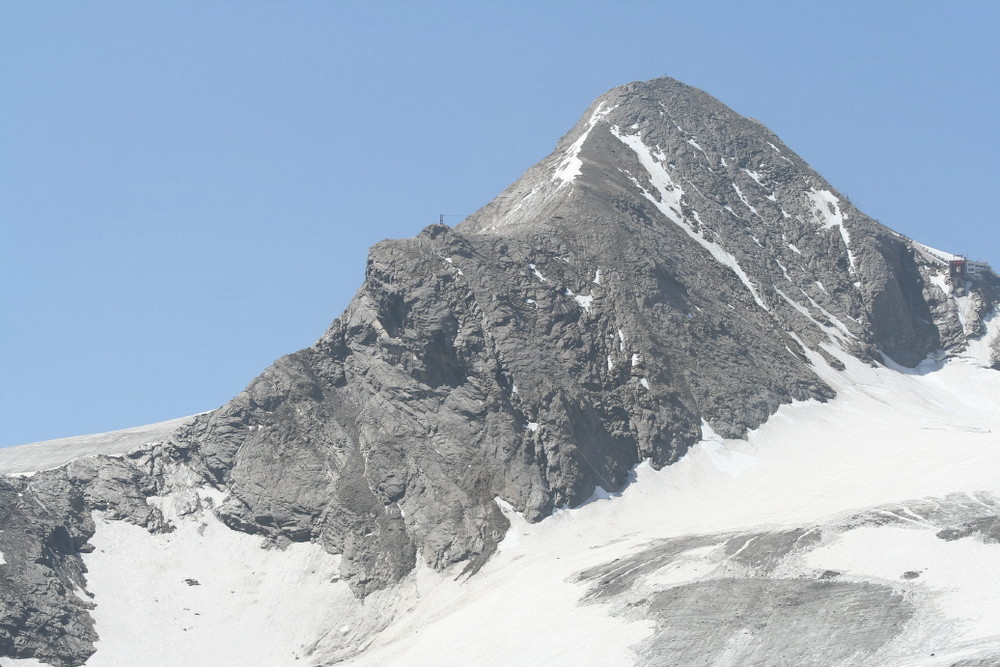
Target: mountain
x,y
672,306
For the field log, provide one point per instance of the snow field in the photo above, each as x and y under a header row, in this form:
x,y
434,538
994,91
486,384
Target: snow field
x,y
206,595
888,437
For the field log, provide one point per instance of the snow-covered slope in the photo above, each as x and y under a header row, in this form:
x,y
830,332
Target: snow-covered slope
x,y
672,288
878,477
53,453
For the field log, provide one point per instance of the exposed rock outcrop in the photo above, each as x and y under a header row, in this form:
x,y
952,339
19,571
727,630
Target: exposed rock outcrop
x,y
671,264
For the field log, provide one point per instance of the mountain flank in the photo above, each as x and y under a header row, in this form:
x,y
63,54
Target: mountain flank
x,y
672,270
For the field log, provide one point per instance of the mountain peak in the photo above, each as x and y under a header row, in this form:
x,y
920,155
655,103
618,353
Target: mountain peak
x,y
670,274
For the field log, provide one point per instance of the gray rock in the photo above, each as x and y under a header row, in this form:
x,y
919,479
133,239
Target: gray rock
x,y
670,264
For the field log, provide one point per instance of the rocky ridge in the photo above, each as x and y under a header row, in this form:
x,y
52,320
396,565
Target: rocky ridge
x,y
671,267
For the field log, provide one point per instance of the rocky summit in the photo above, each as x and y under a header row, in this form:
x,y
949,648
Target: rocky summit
x,y
671,272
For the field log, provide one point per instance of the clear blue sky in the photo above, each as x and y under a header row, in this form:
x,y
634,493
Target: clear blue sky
x,y
188,189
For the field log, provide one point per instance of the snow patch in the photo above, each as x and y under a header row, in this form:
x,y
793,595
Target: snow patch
x,y
826,207
584,301
755,176
980,350
597,277
837,330
531,426
538,274
644,382
571,165
942,282
739,193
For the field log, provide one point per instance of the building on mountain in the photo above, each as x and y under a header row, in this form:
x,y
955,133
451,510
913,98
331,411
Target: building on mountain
x,y
962,270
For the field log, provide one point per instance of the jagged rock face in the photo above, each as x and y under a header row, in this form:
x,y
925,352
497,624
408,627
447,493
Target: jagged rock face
x,y
46,523
672,264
